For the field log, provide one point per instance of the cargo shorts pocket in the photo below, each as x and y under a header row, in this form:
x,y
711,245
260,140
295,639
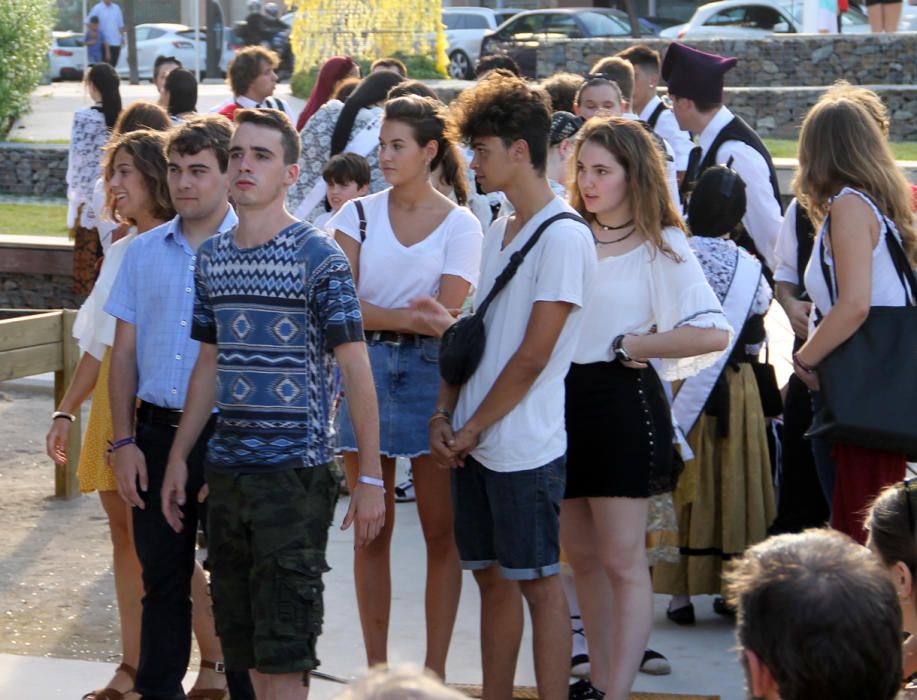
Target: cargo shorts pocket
x,y
298,607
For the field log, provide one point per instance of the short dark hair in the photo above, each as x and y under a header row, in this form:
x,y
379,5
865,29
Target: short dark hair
x,y
345,168
496,60
245,67
142,114
201,133
278,121
93,20
643,56
562,89
821,614
505,106
390,63
182,87
412,87
161,61
618,71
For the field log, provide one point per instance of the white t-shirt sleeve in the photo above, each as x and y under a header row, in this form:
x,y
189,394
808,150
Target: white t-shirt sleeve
x,y
347,221
681,296
464,240
787,249
564,267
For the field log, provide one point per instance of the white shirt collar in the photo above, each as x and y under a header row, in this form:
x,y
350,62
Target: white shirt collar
x,y
247,102
650,108
707,136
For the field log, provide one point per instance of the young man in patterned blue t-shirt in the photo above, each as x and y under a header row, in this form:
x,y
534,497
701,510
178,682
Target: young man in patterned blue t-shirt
x,y
275,306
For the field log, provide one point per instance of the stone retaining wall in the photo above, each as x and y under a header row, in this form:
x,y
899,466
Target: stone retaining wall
x,y
802,59
33,169
36,291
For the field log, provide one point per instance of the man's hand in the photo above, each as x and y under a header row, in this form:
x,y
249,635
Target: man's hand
x,y
798,311
466,439
430,317
130,469
442,443
366,513
173,493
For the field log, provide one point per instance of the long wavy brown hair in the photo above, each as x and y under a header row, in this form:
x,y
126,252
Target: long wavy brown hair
x,y
647,192
842,145
148,150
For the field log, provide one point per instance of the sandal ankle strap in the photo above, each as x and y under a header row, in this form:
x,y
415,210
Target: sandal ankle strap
x,y
216,666
128,670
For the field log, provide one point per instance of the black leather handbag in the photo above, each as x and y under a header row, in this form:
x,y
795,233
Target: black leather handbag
x,y
869,383
462,345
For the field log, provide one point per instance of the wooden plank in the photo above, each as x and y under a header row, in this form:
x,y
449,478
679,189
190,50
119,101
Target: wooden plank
x,y
66,484
37,329
25,362
49,260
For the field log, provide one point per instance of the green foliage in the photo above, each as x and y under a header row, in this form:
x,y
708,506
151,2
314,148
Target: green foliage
x,y
419,68
25,35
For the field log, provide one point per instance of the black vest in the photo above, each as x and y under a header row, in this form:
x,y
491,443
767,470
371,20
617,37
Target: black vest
x,y
739,130
805,241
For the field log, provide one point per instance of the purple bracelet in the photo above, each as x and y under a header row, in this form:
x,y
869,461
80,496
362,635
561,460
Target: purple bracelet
x,y
118,444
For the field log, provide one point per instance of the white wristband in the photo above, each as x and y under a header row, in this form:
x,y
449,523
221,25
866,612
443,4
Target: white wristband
x,y
371,481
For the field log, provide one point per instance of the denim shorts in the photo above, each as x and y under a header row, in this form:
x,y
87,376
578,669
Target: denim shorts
x,y
407,384
511,519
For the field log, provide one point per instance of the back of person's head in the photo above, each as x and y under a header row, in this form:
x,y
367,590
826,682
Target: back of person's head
x,y
372,90
505,106
717,203
632,146
182,88
642,55
390,64
345,168
494,61
105,79
618,71
345,89
842,145
400,683
817,613
412,87
279,122
200,133
562,89
245,67
142,115
867,99
891,524
330,75
93,20
147,148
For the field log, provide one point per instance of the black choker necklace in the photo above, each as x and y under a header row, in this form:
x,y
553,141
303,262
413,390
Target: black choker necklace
x,y
616,240
613,228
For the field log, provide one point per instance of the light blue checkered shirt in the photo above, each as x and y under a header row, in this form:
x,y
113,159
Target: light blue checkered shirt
x,y
154,291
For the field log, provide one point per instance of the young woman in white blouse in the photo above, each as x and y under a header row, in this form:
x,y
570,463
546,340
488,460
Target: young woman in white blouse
x,y
650,300
409,241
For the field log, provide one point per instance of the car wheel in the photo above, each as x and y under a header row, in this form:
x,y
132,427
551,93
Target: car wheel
x,y
460,67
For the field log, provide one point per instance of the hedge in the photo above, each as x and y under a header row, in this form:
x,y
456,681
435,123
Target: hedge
x,y
25,35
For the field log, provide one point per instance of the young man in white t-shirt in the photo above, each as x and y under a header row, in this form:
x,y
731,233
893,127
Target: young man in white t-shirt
x,y
503,432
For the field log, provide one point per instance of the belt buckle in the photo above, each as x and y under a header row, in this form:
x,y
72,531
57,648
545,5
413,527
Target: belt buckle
x,y
396,343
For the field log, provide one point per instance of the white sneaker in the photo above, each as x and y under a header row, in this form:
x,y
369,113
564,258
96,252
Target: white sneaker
x,y
404,492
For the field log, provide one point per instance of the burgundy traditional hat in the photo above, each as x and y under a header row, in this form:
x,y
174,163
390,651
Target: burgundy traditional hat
x,y
694,74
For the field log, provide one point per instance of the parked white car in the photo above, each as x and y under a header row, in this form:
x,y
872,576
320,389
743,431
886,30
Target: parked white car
x,y
66,56
908,17
749,19
163,39
465,27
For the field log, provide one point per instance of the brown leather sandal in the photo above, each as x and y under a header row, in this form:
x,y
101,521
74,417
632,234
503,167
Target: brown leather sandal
x,y
210,693
111,693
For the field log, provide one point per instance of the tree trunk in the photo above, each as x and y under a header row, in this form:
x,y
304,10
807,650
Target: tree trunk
x,y
128,8
634,20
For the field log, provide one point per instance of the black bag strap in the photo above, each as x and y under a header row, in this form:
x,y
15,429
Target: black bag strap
x,y
654,117
516,258
895,251
362,214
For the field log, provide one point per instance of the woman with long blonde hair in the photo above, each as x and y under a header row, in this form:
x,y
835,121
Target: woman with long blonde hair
x,y
650,300
857,196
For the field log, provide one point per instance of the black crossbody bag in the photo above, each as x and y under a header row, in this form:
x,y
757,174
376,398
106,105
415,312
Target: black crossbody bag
x,y
869,382
462,345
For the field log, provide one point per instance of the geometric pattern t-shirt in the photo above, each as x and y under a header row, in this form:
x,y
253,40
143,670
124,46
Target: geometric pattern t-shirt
x,y
275,312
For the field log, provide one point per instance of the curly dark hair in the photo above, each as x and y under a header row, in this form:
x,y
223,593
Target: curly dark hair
x,y
507,107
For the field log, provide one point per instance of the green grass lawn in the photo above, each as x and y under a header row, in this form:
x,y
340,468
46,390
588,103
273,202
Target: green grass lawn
x,y
33,219
786,148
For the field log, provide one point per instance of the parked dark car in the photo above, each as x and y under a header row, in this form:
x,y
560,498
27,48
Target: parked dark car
x,y
520,36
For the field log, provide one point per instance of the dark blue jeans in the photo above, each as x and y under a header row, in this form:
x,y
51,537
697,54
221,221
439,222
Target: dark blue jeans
x,y
167,559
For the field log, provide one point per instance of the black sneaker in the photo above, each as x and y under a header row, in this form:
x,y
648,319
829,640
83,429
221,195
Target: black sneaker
x,y
584,690
655,664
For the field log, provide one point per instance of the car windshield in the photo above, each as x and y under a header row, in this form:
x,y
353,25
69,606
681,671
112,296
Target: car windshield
x,y
602,24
